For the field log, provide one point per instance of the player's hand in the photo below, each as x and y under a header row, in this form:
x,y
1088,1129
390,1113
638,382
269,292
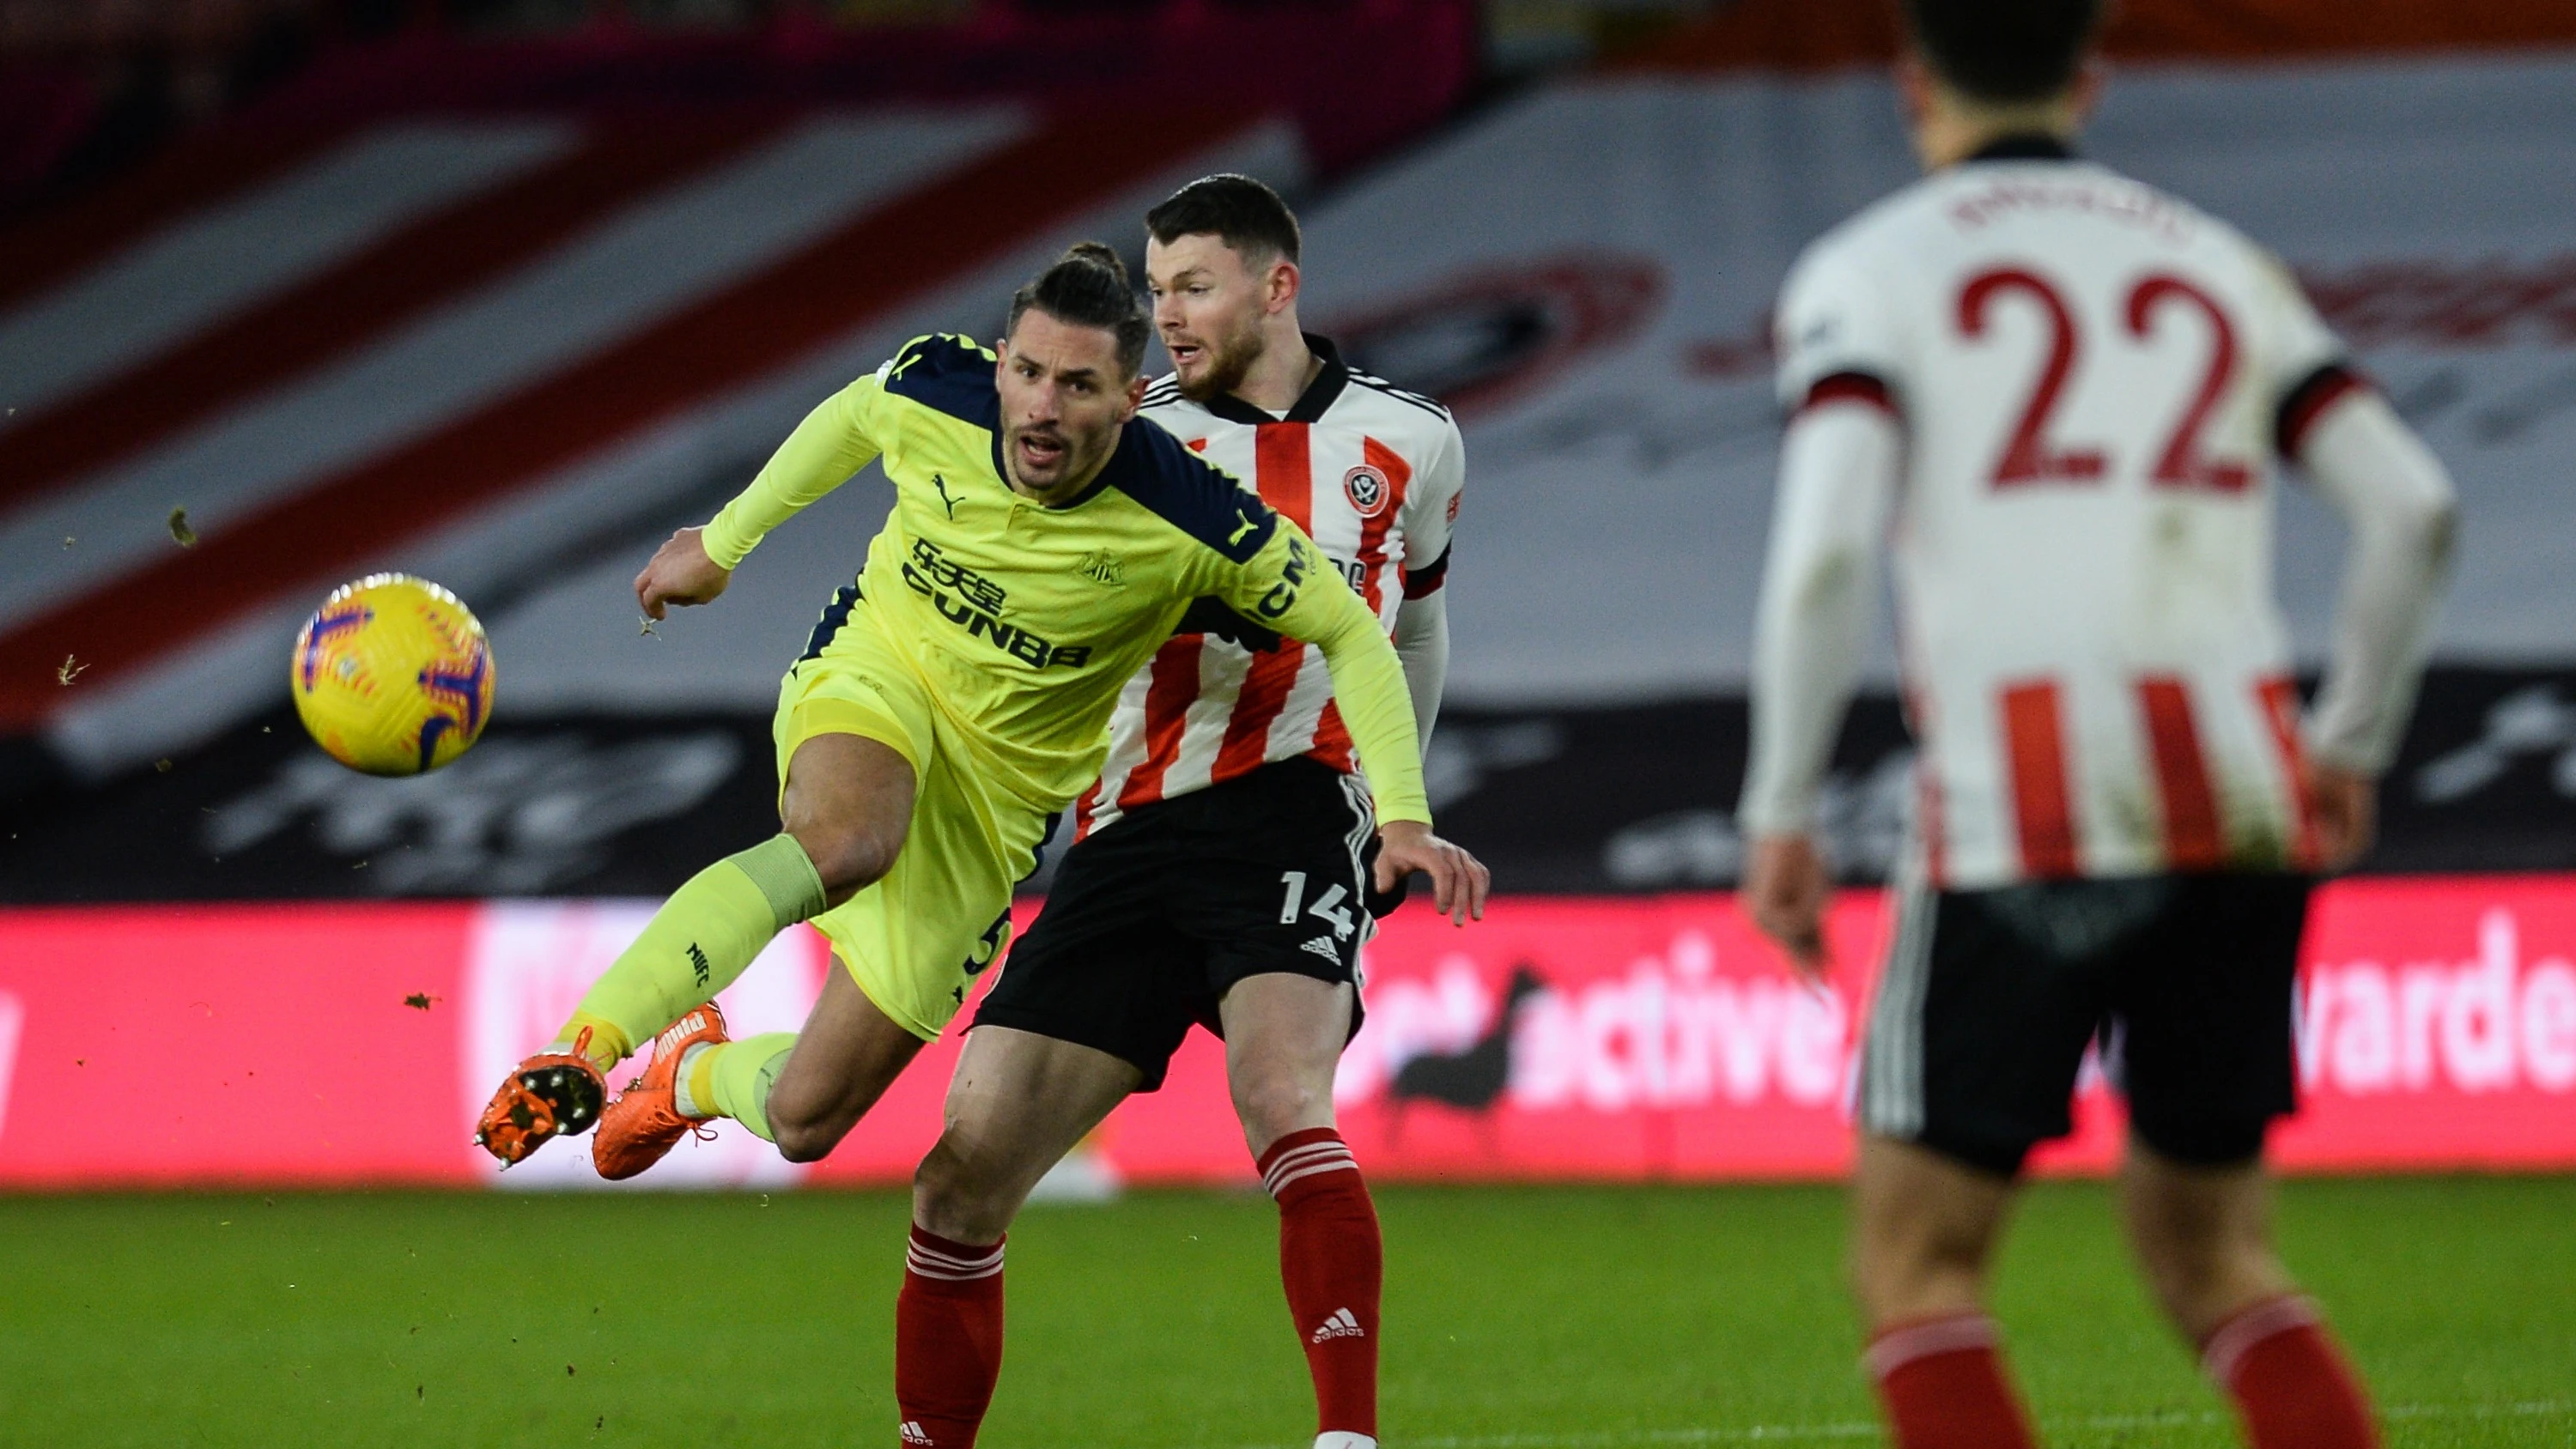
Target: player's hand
x,y
1785,885
2347,810
1459,881
680,573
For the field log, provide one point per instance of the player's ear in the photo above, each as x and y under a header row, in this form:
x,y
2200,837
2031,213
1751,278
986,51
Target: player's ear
x,y
1284,283
1135,396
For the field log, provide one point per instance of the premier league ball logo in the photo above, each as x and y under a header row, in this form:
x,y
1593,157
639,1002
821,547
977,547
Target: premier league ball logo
x,y
1367,489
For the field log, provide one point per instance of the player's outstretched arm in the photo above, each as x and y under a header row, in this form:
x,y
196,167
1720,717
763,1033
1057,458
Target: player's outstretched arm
x,y
680,573
832,443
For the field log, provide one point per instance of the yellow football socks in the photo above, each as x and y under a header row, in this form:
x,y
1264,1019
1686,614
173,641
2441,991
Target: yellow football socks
x,y
732,1079
703,937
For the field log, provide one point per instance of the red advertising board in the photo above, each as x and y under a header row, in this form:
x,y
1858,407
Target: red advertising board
x,y
1611,1039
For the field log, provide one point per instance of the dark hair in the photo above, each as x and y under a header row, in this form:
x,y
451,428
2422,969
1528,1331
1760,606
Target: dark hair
x,y
1087,287
2004,51
1237,210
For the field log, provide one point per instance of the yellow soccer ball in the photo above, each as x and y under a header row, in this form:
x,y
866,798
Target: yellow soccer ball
x,y
393,676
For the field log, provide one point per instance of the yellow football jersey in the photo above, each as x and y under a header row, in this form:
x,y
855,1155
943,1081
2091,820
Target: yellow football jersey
x,y
1027,620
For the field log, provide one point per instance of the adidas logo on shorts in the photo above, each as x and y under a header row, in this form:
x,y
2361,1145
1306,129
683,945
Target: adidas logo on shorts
x,y
1323,946
1340,1325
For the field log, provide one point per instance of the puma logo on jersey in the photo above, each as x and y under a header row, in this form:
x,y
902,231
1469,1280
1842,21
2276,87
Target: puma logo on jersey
x,y
1243,524
1341,1325
941,483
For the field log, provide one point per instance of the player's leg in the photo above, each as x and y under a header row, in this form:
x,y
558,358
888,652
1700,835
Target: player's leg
x,y
2208,1063
1284,1034
1980,1022
804,1090
1086,1011
1017,1104
1924,1229
2203,1235
846,807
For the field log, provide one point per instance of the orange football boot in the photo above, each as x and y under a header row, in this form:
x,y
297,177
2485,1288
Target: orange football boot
x,y
547,1096
645,1122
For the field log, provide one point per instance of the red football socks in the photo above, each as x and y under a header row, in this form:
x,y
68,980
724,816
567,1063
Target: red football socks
x,y
1941,1381
947,1340
1333,1264
2291,1387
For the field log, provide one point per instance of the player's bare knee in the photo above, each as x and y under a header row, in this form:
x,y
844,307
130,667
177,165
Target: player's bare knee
x,y
804,1128
1272,1104
849,859
807,1140
952,1197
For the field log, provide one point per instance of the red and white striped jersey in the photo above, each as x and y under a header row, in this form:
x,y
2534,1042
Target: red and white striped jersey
x,y
1373,474
2093,383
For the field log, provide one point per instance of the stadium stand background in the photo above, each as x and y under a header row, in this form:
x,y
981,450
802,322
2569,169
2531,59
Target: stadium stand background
x,y
500,293
501,303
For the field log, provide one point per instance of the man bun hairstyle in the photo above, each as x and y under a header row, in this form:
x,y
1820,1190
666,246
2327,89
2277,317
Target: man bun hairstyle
x,y
1088,287
1243,213
2004,52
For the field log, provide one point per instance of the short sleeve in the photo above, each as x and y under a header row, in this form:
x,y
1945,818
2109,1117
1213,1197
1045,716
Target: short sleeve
x,y
1832,321
1431,515
2296,341
2304,367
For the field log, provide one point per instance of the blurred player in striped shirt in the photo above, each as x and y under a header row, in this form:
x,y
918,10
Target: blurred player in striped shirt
x,y
2067,396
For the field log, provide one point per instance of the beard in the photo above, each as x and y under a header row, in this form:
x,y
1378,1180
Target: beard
x,y
1228,363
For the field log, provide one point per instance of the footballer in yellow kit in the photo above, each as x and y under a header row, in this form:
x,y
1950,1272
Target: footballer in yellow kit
x,y
988,636
954,698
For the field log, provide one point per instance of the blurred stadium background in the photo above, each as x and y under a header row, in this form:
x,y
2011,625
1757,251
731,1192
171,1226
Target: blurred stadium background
x,y
500,291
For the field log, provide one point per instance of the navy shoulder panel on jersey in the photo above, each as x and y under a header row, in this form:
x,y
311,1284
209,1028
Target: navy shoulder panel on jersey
x,y
950,373
1188,492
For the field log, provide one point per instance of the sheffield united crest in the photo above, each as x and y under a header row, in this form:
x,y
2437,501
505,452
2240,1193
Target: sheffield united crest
x,y
1367,489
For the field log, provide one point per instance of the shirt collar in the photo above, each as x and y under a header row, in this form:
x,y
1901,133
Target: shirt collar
x,y
1311,404
2024,146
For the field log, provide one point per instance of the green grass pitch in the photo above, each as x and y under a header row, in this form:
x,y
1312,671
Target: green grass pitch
x,y
1516,1319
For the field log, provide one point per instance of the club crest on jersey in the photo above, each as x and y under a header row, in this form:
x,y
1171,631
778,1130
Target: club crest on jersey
x,y
1104,567
1367,490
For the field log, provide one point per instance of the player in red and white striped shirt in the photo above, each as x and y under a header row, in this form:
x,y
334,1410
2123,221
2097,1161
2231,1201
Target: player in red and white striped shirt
x,y
2064,394
1373,473
1224,866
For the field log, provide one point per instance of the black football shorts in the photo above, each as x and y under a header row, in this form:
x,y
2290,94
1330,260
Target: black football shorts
x,y
1153,918
1990,997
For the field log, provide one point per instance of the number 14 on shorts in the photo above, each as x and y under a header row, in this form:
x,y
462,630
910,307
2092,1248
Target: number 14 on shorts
x,y
1328,907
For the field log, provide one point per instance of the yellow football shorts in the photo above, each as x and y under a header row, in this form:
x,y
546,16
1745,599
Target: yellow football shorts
x,y
916,940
